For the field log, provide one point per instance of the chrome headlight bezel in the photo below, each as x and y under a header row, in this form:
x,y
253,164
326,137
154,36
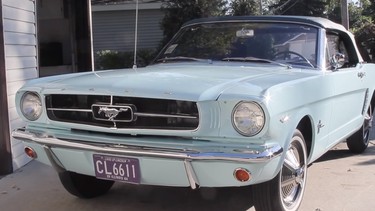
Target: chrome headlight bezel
x,y
31,106
254,115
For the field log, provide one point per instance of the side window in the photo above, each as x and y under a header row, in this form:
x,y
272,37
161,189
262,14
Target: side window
x,y
343,44
335,45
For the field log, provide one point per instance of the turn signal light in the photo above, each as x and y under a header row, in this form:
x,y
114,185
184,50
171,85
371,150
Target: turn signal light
x,y
242,174
30,152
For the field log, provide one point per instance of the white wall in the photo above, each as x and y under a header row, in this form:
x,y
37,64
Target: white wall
x,y
20,60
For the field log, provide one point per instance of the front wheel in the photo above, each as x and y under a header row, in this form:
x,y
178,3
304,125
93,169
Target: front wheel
x,y
285,191
84,186
358,142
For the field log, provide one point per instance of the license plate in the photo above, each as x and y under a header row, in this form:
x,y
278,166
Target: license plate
x,y
117,168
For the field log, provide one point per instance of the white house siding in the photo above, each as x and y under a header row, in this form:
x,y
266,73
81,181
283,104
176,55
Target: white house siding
x,y
114,29
20,60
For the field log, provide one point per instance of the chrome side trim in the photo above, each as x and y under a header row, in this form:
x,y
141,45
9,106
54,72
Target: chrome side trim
x,y
236,155
366,102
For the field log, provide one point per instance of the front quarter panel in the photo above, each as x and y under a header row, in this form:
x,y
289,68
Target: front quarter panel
x,y
310,98
285,105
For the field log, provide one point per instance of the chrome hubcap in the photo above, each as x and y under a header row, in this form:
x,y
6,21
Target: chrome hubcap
x,y
293,175
367,126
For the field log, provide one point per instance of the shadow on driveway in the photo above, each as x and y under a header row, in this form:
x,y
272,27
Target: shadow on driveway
x,y
168,199
341,151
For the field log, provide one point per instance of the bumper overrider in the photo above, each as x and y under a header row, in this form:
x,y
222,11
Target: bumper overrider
x,y
55,147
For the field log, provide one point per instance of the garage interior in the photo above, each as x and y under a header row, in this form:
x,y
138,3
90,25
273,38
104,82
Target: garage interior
x,y
64,37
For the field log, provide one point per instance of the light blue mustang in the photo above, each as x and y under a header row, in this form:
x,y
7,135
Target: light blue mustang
x,y
231,101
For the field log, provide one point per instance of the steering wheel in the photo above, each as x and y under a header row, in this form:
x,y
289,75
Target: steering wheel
x,y
285,53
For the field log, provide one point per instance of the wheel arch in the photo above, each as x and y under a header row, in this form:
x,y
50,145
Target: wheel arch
x,y
306,128
372,101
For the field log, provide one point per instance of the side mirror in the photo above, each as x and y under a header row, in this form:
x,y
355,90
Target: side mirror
x,y
337,61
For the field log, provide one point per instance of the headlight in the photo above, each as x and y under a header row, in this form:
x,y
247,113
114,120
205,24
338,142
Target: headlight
x,y
248,118
31,106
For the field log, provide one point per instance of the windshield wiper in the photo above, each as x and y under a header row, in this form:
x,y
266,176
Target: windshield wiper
x,y
182,58
254,59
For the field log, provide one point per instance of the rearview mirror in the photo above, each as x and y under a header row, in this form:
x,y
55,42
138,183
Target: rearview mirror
x,y
245,33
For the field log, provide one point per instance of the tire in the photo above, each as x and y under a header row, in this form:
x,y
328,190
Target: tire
x,y
84,186
358,142
285,191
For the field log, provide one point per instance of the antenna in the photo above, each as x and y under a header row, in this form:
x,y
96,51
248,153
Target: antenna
x,y
91,36
135,36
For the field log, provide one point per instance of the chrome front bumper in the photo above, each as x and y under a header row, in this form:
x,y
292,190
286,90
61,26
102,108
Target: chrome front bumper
x,y
222,153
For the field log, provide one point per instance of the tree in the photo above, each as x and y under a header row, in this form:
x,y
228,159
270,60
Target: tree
x,y
300,7
178,12
245,7
368,8
359,13
365,38
356,17
364,29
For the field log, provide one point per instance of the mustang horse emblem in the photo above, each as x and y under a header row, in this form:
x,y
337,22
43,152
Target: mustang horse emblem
x,y
111,113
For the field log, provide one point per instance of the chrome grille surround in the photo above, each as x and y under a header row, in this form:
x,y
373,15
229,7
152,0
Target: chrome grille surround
x,y
123,112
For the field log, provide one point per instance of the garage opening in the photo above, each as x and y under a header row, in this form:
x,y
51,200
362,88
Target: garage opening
x,y
64,36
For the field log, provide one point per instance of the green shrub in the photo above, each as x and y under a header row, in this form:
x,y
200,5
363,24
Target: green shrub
x,y
109,59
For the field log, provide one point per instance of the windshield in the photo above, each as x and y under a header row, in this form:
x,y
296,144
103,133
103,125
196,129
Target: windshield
x,y
284,43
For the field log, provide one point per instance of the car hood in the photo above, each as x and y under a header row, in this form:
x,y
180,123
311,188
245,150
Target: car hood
x,y
190,81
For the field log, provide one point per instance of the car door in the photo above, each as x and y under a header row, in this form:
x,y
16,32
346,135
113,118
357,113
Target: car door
x,y
349,89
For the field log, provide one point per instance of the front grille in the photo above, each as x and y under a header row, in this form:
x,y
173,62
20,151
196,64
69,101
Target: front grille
x,y
123,112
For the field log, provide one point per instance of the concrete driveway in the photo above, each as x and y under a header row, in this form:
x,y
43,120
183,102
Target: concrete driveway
x,y
339,181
